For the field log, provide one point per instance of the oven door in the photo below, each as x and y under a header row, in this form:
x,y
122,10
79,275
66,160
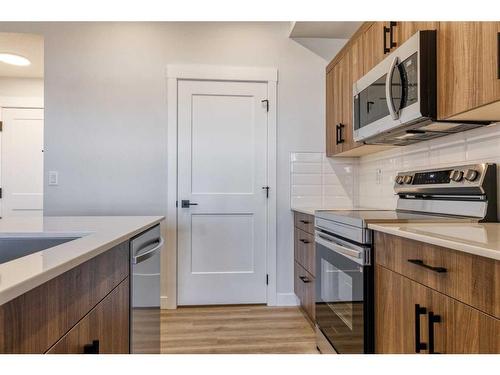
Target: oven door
x,y
342,288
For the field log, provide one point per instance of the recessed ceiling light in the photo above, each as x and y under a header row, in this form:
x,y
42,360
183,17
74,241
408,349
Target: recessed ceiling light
x,y
12,59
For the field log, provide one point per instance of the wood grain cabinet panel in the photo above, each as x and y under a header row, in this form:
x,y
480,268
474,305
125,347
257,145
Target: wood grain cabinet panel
x,y
304,222
304,285
467,67
373,45
405,30
412,318
104,329
34,321
305,251
469,278
334,142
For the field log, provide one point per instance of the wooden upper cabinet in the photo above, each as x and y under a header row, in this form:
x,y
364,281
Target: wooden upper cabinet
x,y
373,45
334,143
404,30
468,70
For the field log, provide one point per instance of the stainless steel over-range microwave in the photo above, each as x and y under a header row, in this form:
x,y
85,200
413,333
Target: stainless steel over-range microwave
x,y
396,102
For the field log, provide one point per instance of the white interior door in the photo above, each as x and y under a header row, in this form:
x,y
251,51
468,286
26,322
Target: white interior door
x,y
222,167
22,162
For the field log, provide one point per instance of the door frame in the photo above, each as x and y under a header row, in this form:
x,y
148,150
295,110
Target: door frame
x,y
174,74
28,102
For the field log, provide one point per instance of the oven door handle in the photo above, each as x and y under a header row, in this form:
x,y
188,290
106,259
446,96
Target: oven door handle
x,y
327,241
388,90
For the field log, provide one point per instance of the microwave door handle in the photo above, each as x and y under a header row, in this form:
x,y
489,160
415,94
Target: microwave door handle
x,y
388,89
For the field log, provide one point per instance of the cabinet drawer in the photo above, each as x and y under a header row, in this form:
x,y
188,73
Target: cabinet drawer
x,y
304,285
305,250
471,279
304,222
105,329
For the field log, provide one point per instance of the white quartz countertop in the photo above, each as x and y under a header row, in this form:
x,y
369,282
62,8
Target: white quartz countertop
x,y
472,238
98,234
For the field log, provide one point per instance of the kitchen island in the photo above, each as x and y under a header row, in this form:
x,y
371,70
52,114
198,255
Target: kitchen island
x,y
52,299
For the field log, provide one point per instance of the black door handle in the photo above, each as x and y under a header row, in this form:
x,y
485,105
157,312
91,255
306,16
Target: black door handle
x,y
419,345
421,263
185,203
431,320
91,348
304,241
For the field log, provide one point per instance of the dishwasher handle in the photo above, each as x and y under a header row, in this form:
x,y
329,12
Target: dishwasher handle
x,y
141,257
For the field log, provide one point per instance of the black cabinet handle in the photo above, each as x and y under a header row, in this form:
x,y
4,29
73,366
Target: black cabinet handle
x,y
339,128
304,279
431,320
419,345
91,348
304,241
421,263
305,222
389,30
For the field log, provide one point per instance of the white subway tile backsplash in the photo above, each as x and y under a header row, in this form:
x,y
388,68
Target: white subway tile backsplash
x,y
478,145
320,182
298,167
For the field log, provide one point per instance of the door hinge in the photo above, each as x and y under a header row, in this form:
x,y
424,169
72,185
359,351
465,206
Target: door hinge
x,y
0,193
267,279
1,125
176,204
267,104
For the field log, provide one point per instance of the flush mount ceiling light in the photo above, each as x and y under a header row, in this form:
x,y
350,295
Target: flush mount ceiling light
x,y
13,59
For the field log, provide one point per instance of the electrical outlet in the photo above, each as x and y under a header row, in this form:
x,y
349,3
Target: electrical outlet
x,y
378,176
53,178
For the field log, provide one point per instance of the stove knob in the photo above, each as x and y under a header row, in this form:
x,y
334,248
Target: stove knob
x,y
457,175
399,180
471,175
408,179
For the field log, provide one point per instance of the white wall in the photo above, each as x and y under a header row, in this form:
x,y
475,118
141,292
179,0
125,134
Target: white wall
x,y
474,146
106,117
21,87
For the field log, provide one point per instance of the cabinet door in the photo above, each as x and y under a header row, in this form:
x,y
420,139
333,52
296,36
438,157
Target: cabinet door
x,y
467,66
405,30
400,318
106,327
354,70
457,328
334,144
373,45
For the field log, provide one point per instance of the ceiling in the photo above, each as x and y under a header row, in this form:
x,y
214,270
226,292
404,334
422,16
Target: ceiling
x,y
27,45
333,30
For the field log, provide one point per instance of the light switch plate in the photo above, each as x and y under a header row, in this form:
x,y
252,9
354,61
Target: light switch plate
x,y
53,178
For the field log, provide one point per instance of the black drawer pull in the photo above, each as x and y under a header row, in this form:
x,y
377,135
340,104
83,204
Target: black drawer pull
x,y
91,348
431,320
305,222
419,345
338,129
304,279
304,241
421,263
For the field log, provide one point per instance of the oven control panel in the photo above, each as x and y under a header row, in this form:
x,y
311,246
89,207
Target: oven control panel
x,y
465,175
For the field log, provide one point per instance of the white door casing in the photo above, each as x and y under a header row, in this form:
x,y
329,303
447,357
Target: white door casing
x,y
222,166
22,162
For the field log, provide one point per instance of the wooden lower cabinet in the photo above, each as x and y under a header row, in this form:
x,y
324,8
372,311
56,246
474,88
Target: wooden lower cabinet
x,y
412,318
104,330
304,287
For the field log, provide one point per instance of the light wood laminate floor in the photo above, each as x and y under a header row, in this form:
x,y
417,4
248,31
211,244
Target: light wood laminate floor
x,y
236,329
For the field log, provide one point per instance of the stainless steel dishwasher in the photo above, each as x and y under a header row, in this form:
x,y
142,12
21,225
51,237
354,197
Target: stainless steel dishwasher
x,y
145,291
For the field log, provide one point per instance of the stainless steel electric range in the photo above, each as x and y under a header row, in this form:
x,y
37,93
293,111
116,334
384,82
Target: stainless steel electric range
x,y
344,252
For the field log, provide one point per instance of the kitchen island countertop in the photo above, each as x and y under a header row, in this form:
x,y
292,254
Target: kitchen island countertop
x,y
97,234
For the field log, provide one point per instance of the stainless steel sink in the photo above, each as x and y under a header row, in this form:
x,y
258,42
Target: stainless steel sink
x,y
16,247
